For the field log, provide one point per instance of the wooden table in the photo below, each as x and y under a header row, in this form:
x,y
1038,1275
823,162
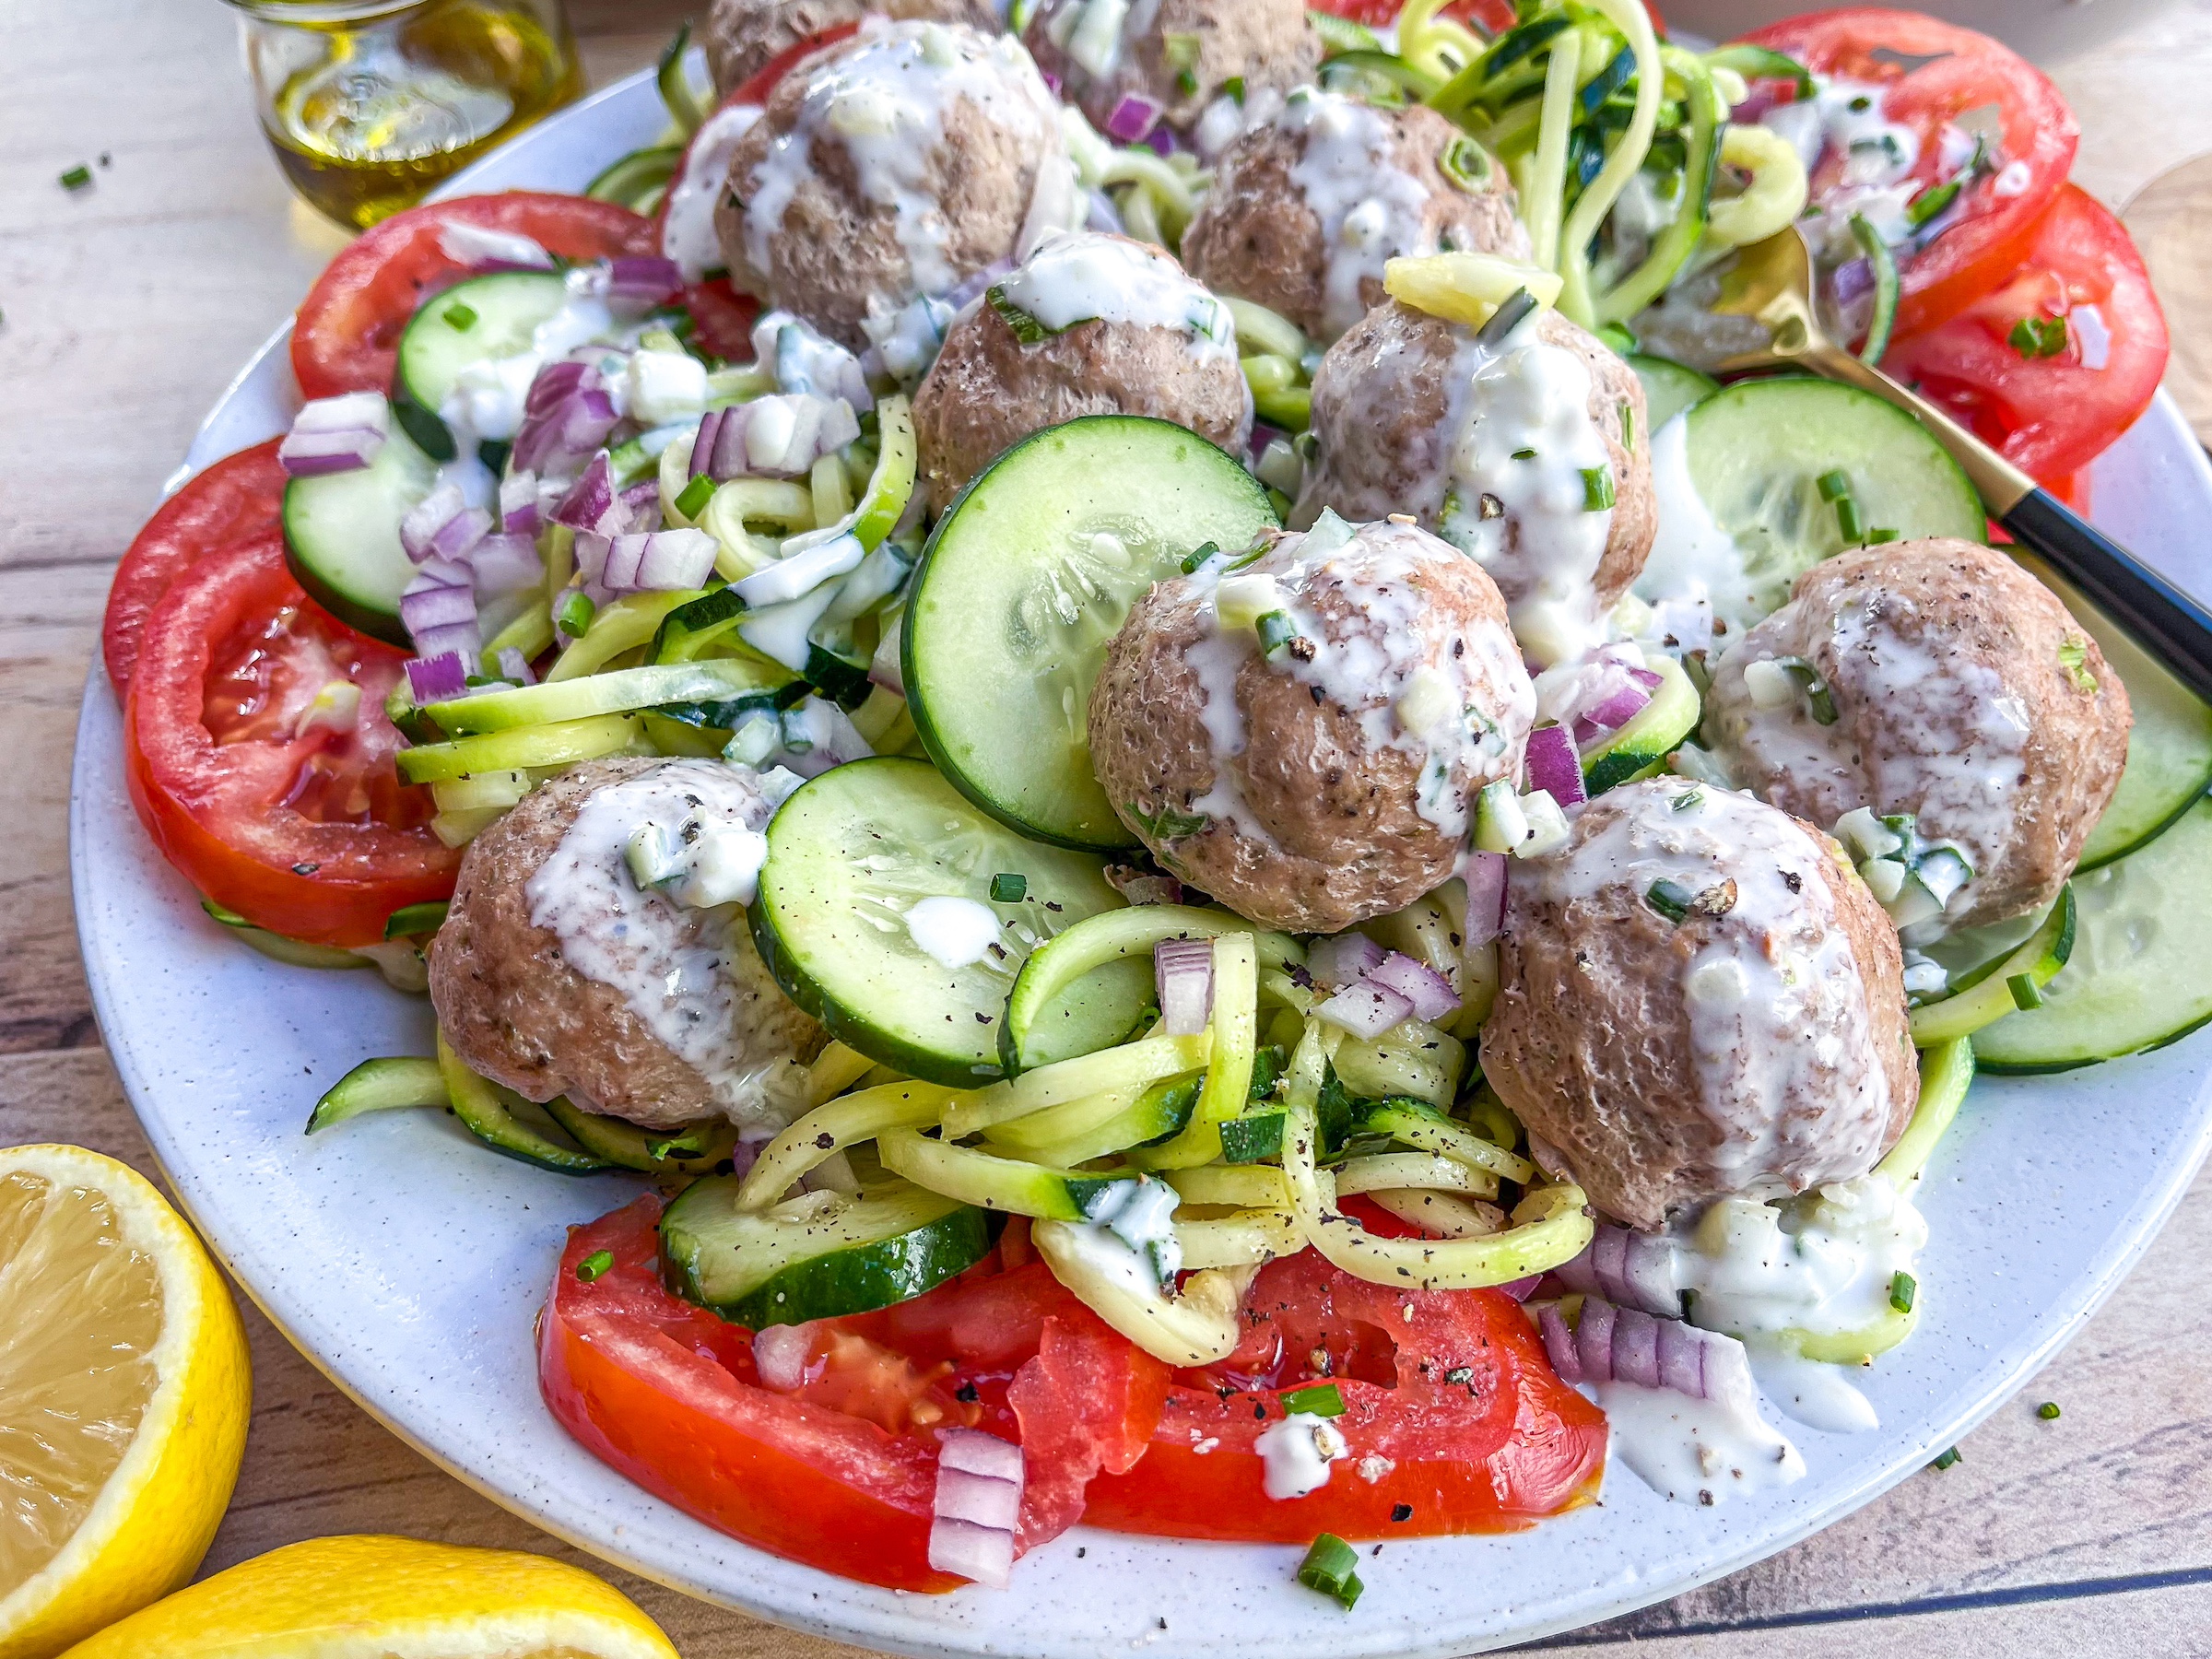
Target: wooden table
x,y
128,306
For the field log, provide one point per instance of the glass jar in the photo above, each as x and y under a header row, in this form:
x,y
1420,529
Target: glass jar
x,y
370,103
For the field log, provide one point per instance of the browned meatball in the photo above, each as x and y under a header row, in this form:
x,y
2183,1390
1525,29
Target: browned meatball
x,y
1700,997
1305,210
1130,335
1961,692
1178,53
1503,451
742,37
554,973
1326,781
887,170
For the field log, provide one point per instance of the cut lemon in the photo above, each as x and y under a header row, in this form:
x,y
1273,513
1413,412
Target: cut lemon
x,y
389,1598
124,1390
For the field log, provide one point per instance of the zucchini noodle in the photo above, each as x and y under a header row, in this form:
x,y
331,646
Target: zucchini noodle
x,y
829,1128
1249,1238
1775,197
625,625
1598,198
1423,1171
1244,1186
1134,1064
1229,1065
1681,238
1261,332
1544,181
1444,1213
1433,44
1200,1326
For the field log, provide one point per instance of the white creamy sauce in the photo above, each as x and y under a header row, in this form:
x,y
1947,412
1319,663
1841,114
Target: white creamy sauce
x,y
1080,276
1823,1263
688,219
1817,1394
1517,492
951,931
1295,1455
1878,156
1692,557
488,395
884,101
673,965
1140,1215
1700,1452
1780,1032
1370,210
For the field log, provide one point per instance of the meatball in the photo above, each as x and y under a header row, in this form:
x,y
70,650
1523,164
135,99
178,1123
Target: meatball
x,y
1180,54
1508,450
1957,689
887,172
743,36
1700,997
1326,780
1305,210
556,973
1090,324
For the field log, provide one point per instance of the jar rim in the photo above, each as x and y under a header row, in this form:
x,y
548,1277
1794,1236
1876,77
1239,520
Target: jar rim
x,y
325,11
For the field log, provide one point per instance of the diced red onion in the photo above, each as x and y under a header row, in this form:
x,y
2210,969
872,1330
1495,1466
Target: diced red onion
x,y
780,1354
520,513
638,282
442,525
1626,1345
591,554
1262,436
702,443
461,637
978,282
1341,961
483,248
505,564
1163,141
976,1507
1554,766
1522,1290
1485,874
1615,710
1651,679
335,434
1366,1009
1134,118
567,415
591,503
641,505
1052,81
658,560
514,666
1430,992
433,679
885,668
1853,279
1184,970
1634,1269
780,436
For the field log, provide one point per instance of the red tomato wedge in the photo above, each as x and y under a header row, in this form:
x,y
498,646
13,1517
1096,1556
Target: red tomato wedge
x,y
2050,400
274,795
345,337
1962,72
237,497
1455,1420
842,1474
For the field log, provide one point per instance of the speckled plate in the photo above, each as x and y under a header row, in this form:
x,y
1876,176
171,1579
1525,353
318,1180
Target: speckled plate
x,y
407,1262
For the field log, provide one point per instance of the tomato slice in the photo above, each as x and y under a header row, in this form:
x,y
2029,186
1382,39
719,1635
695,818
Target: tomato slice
x,y
238,496
1455,1420
842,1474
301,826
1934,73
2049,415
345,337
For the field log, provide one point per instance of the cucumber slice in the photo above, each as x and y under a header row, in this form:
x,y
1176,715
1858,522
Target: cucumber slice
x,y
341,536
503,1120
2141,974
849,856
821,1255
1027,576
2170,749
380,1085
1669,387
696,1150
1655,731
485,317
1758,450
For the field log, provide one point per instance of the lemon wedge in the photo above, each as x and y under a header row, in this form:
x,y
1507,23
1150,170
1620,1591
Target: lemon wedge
x,y
125,1389
389,1598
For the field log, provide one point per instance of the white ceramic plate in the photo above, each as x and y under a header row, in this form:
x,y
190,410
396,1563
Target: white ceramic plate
x,y
407,1261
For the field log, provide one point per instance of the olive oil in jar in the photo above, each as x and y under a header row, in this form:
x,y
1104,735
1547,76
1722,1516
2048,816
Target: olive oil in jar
x,y
371,106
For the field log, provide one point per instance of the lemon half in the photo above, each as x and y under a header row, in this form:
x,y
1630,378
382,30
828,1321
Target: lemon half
x,y
389,1598
124,1390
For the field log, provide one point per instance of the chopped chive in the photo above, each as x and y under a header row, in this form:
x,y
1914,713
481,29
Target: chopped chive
x,y
1627,424
1328,1567
2048,1411
1904,1288
1505,319
1323,1400
1944,1460
1670,898
1835,486
1848,522
1881,535
575,614
460,316
1466,163
2073,657
1186,82
1524,454
1597,489
695,496
2035,337
1819,701
1199,554
1234,87
593,1265
1009,888
2026,993
77,178
1277,632
1933,201
1686,800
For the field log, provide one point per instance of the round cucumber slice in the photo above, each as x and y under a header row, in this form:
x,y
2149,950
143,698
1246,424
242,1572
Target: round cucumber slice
x,y
1027,577
471,322
1669,387
1759,451
341,536
2141,972
851,853
818,1257
2170,749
